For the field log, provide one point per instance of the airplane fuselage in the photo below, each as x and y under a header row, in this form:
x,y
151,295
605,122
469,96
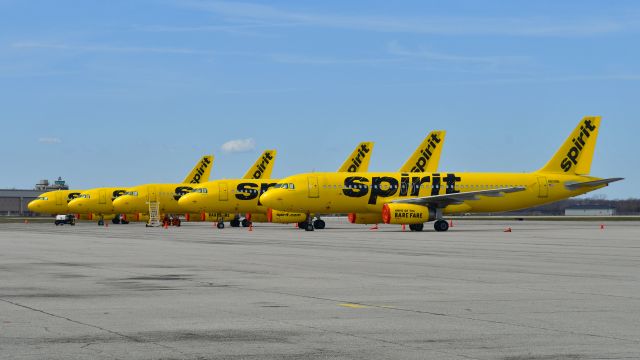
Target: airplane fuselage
x,y
368,192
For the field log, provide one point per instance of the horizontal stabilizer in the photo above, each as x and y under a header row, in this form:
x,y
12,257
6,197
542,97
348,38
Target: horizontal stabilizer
x,y
578,185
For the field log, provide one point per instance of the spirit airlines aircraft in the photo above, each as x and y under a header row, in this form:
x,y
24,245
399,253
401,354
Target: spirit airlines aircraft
x,y
405,198
242,195
53,202
100,200
425,158
137,199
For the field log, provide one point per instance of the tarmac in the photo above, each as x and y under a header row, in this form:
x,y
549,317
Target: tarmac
x,y
546,290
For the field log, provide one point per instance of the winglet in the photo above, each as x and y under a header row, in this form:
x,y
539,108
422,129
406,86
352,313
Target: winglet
x,y
200,172
576,154
426,157
359,159
263,167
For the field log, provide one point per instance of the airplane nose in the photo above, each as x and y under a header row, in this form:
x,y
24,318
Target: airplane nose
x,y
188,203
122,204
270,200
75,205
33,205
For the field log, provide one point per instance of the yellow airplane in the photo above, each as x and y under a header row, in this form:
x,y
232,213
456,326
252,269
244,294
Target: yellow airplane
x,y
405,198
53,202
138,198
242,195
100,201
425,158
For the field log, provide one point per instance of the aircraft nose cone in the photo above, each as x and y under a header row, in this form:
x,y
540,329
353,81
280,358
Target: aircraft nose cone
x,y
33,205
75,205
121,204
188,202
270,200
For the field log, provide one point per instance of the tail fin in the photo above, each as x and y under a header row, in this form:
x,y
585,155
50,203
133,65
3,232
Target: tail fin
x,y
426,157
359,159
200,172
576,154
263,167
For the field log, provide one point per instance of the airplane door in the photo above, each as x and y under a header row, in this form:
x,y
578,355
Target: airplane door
x,y
543,187
223,191
153,194
102,197
314,190
58,198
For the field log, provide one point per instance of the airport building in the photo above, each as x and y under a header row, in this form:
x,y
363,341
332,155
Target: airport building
x,y
589,210
13,202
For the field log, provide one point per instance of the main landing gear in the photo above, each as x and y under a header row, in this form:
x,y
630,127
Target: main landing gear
x,y
416,227
441,225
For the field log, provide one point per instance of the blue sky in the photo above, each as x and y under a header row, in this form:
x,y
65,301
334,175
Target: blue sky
x,y
126,92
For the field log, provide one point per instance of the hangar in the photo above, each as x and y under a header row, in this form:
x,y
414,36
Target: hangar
x,y
13,202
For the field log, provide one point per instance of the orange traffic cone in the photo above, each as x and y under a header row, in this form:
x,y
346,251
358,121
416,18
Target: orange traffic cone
x,y
250,226
507,229
26,221
404,227
601,226
166,225
451,223
106,224
295,225
374,227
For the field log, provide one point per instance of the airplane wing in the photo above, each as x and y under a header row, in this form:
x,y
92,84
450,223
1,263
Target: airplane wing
x,y
578,185
441,201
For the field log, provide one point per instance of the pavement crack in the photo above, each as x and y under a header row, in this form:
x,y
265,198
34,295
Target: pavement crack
x,y
124,336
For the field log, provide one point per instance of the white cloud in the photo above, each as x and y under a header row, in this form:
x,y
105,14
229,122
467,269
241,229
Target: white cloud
x,y
49,140
239,145
109,48
264,15
434,56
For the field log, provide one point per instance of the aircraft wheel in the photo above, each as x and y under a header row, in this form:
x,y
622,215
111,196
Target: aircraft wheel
x,y
245,223
319,224
220,225
441,225
176,222
100,222
302,225
416,227
234,223
309,227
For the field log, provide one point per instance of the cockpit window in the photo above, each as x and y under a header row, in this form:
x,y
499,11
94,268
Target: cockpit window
x,y
131,193
291,186
200,190
84,196
42,198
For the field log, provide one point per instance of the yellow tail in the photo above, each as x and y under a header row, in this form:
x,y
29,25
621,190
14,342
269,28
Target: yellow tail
x,y
427,156
576,154
263,167
359,159
200,172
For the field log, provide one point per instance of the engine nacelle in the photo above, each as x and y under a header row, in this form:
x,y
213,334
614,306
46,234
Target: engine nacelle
x,y
406,214
285,217
364,218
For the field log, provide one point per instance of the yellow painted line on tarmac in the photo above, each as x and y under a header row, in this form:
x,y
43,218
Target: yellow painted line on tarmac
x,y
353,306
